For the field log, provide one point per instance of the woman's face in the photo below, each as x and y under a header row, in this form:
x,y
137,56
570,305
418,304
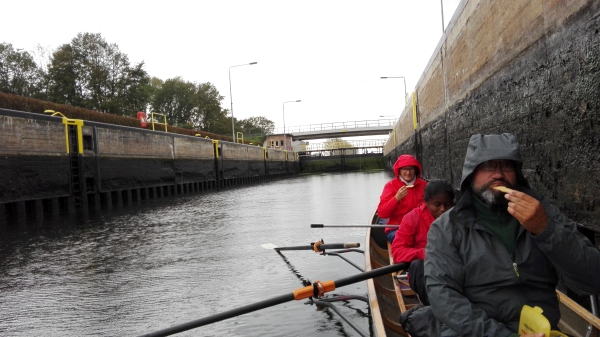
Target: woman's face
x,y
408,172
438,204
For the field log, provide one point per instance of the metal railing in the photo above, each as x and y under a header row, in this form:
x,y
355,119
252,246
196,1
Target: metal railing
x,y
338,145
338,126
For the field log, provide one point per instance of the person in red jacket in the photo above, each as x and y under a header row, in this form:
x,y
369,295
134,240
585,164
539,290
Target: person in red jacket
x,y
401,194
411,238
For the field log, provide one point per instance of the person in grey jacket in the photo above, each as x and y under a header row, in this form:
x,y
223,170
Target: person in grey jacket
x,y
495,252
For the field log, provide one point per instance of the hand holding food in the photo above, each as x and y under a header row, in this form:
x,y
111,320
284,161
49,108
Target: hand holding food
x,y
502,189
402,192
526,209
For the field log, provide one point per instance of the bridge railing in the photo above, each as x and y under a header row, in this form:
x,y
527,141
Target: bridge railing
x,y
338,145
338,126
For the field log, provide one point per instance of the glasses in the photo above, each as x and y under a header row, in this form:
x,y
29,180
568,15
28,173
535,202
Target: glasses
x,y
490,166
407,169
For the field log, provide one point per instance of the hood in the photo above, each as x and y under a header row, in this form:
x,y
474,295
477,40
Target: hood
x,y
491,147
407,160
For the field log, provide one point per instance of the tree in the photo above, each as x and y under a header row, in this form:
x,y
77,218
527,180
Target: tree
x,y
176,99
42,57
18,72
210,116
91,73
257,126
337,143
64,84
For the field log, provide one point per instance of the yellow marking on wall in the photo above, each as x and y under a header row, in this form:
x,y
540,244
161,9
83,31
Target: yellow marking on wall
x,y
414,109
75,122
215,148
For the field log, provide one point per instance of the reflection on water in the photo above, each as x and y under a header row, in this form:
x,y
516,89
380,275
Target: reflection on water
x,y
143,268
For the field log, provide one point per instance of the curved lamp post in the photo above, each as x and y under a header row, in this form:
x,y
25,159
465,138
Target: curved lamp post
x,y
231,98
402,77
284,120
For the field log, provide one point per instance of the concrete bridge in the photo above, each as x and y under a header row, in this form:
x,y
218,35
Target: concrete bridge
x,y
340,129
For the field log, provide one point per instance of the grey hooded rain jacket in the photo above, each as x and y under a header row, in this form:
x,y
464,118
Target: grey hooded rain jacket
x,y
474,285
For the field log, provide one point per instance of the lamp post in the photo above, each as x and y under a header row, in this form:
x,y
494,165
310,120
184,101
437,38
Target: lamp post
x,y
443,26
231,98
284,119
402,77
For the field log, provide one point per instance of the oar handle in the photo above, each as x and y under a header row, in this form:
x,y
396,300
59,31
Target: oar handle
x,y
319,246
320,225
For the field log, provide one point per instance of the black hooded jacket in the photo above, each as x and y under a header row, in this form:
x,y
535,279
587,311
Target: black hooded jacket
x,y
474,285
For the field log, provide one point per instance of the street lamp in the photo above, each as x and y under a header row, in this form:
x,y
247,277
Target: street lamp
x,y
284,119
443,26
231,98
402,77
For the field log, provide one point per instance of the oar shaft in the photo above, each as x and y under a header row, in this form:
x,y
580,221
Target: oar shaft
x,y
338,245
297,294
320,225
371,274
322,246
295,248
222,316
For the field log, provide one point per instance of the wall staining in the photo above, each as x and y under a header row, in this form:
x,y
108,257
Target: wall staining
x,y
25,173
346,163
528,68
115,166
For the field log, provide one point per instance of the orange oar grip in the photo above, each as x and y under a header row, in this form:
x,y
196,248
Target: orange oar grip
x,y
316,246
317,289
325,287
302,293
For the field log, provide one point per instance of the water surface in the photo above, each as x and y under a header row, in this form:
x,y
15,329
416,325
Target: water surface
x,y
143,268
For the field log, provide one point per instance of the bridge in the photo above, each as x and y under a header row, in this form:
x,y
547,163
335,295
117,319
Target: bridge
x,y
346,147
340,129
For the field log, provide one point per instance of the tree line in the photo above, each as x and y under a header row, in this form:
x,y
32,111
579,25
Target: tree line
x,y
91,73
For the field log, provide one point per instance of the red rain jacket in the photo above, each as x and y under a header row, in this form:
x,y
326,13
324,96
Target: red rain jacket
x,y
411,238
389,207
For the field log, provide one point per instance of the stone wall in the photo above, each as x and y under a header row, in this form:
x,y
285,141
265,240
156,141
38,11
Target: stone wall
x,y
529,68
115,165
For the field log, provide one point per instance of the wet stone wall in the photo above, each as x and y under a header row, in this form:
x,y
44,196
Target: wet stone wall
x,y
549,97
49,168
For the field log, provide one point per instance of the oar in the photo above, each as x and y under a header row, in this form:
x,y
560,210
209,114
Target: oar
x,y
320,246
320,225
317,289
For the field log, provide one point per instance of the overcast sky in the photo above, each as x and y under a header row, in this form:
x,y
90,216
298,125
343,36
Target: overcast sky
x,y
329,54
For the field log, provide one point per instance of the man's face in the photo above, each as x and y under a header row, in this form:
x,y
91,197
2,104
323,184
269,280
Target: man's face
x,y
494,173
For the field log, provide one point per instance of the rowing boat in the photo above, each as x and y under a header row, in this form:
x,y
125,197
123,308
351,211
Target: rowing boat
x,y
390,295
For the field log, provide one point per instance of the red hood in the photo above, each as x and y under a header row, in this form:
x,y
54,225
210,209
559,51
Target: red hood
x,y
407,160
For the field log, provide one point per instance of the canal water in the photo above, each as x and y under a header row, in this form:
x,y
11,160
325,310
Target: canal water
x,y
143,268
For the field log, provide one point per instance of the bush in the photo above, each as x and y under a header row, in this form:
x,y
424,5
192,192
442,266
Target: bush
x,y
20,103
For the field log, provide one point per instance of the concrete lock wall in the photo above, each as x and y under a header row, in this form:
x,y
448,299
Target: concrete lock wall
x,y
45,169
529,68
33,154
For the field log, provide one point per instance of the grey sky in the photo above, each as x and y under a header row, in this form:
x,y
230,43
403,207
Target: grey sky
x,y
329,54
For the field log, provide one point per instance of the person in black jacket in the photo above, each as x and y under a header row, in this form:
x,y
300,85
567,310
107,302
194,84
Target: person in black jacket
x,y
497,251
